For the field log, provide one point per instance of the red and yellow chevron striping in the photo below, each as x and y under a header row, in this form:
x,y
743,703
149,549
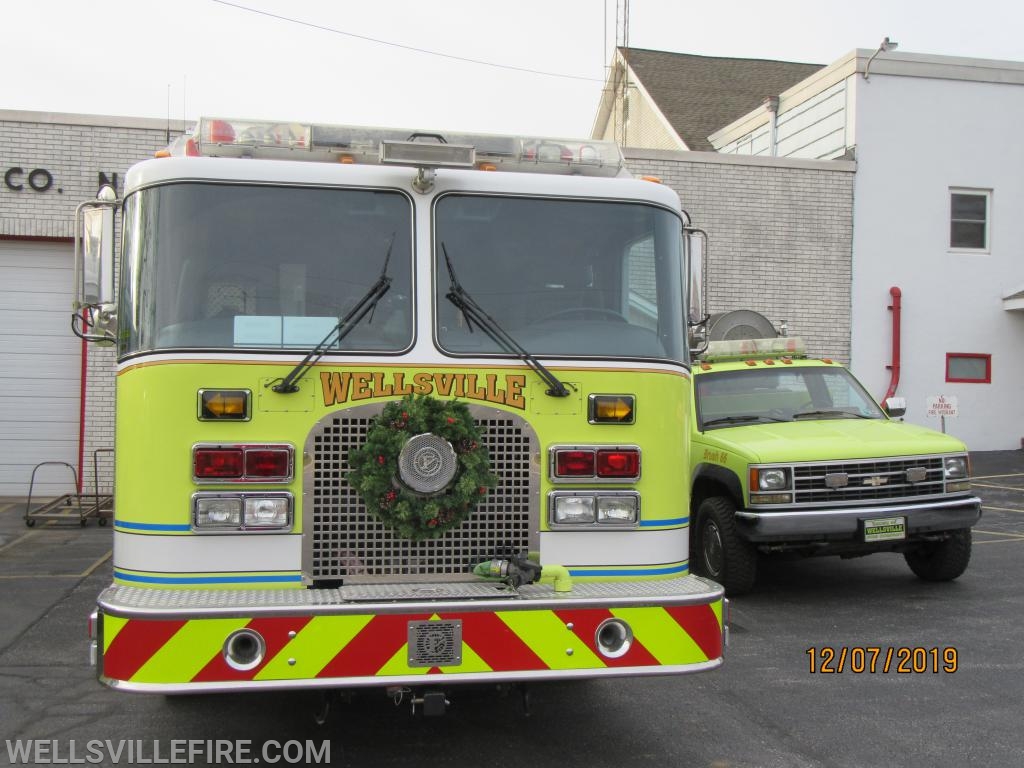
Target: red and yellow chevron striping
x,y
375,648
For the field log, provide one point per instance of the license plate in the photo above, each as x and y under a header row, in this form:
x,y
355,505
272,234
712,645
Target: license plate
x,y
885,529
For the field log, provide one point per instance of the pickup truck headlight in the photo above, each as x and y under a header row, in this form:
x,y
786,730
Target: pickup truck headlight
x,y
770,479
955,467
956,470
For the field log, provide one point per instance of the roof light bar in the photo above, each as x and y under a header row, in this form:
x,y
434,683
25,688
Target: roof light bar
x,y
741,349
222,137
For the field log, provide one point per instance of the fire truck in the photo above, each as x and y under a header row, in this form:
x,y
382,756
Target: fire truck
x,y
394,409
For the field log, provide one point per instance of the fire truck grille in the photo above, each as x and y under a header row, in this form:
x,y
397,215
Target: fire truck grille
x,y
344,543
873,481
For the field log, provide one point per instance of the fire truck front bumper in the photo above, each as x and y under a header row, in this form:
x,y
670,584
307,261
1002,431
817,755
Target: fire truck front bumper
x,y
178,641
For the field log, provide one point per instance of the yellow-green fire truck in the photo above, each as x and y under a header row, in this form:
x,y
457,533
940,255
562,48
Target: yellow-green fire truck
x,y
791,454
391,412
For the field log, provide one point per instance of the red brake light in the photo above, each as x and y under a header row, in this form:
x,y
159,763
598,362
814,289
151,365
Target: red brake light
x,y
211,463
574,463
620,462
264,462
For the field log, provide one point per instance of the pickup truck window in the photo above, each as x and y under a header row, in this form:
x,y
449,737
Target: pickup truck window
x,y
738,398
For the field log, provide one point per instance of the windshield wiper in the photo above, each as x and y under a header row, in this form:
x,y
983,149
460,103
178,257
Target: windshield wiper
x,y
474,313
352,318
740,419
843,414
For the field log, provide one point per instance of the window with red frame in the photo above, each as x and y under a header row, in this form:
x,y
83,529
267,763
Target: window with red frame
x,y
968,368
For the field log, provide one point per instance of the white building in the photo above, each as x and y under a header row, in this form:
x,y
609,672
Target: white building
x,y
938,195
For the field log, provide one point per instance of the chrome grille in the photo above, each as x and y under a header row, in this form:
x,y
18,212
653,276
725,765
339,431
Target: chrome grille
x,y
343,542
875,480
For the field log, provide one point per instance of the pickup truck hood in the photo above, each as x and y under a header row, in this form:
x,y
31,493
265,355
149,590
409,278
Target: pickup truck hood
x,y
829,439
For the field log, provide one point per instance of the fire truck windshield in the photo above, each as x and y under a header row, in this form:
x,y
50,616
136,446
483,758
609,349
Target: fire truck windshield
x,y
212,266
563,277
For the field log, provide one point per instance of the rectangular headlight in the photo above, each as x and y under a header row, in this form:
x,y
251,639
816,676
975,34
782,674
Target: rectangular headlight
x,y
218,512
769,479
571,510
267,512
955,467
621,510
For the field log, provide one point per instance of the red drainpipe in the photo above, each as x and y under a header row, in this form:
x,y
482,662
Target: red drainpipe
x,y
896,306
81,408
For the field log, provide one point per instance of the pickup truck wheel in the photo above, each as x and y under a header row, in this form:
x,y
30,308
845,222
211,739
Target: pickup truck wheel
x,y
943,560
718,551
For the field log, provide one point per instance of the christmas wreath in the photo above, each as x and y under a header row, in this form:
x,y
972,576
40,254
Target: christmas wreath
x,y
423,467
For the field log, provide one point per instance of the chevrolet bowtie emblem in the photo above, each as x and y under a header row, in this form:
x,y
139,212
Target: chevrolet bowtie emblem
x,y
875,481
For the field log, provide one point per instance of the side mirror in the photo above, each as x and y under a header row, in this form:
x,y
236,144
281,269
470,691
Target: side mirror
x,y
697,318
94,268
895,406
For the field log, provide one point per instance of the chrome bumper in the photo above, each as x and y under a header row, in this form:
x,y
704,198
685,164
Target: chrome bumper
x,y
811,524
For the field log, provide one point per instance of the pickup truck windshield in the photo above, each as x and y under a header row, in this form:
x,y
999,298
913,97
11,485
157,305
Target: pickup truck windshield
x,y
213,266
562,277
763,395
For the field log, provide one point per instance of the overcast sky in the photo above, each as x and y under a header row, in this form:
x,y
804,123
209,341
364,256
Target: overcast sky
x,y
375,62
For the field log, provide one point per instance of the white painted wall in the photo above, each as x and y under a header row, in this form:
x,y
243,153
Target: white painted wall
x,y
917,138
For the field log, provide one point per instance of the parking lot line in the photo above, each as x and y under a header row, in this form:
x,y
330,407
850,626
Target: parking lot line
x,y
88,571
996,477
18,540
989,508
1006,537
1000,487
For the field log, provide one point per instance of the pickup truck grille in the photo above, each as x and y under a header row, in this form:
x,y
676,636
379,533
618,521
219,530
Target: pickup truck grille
x,y
344,543
869,481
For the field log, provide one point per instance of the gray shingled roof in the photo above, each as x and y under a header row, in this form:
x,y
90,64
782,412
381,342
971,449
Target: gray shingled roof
x,y
701,94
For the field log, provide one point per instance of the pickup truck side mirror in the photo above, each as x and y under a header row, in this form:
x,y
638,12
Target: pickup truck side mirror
x,y
895,406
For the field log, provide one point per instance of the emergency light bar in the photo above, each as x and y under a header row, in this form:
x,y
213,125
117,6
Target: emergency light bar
x,y
217,137
743,349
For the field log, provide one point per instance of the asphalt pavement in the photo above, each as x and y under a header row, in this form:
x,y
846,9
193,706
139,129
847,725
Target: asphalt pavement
x,y
779,699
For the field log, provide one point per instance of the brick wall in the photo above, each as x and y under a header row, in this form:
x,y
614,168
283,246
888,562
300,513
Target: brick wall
x,y
780,234
71,151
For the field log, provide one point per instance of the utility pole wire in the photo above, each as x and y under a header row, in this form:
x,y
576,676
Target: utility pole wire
x,y
464,59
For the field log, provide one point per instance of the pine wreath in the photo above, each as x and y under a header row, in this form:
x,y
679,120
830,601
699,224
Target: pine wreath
x,y
374,468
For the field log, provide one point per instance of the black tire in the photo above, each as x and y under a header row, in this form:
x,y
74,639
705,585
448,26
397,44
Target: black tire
x,y
942,560
718,551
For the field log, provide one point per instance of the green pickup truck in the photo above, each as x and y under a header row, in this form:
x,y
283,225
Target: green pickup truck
x,y
791,455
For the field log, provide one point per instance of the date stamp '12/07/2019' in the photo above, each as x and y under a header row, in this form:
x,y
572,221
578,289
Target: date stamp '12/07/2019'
x,y
867,659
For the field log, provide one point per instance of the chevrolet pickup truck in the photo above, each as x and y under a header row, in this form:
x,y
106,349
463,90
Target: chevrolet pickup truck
x,y
792,455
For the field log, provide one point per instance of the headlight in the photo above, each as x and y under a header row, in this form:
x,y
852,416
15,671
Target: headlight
x,y
218,512
594,510
617,509
574,509
253,512
266,513
771,480
956,467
